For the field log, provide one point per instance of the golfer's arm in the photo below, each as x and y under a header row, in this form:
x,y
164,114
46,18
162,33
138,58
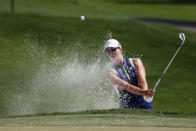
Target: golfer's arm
x,y
141,73
119,83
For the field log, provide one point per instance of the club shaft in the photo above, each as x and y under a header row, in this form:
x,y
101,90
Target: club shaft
x,y
157,83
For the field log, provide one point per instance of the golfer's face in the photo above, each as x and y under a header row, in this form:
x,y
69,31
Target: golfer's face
x,y
113,53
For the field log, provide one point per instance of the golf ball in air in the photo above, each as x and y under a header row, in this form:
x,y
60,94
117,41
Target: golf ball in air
x,y
82,17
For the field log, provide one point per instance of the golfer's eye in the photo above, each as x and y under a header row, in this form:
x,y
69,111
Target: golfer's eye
x,y
107,51
113,49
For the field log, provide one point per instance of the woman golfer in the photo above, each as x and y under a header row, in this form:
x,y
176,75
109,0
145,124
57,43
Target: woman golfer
x,y
129,77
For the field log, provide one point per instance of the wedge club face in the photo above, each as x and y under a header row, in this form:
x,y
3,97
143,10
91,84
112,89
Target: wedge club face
x,y
182,36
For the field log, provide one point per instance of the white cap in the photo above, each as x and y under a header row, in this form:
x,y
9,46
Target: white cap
x,y
112,43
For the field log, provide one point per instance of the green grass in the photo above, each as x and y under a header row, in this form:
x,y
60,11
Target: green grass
x,y
45,39
154,1
128,112
138,10
102,9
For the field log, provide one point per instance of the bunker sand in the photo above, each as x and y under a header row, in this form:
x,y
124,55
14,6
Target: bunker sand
x,y
95,122
90,128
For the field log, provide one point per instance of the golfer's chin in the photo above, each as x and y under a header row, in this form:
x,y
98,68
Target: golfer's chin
x,y
114,58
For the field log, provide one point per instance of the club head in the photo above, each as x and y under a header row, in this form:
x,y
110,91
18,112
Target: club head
x,y
182,36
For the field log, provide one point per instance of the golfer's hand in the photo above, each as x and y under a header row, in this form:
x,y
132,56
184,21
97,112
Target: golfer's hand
x,y
149,93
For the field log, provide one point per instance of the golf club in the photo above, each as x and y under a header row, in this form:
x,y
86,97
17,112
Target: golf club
x,y
182,37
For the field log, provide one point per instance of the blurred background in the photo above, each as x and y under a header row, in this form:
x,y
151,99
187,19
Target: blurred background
x,y
51,61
